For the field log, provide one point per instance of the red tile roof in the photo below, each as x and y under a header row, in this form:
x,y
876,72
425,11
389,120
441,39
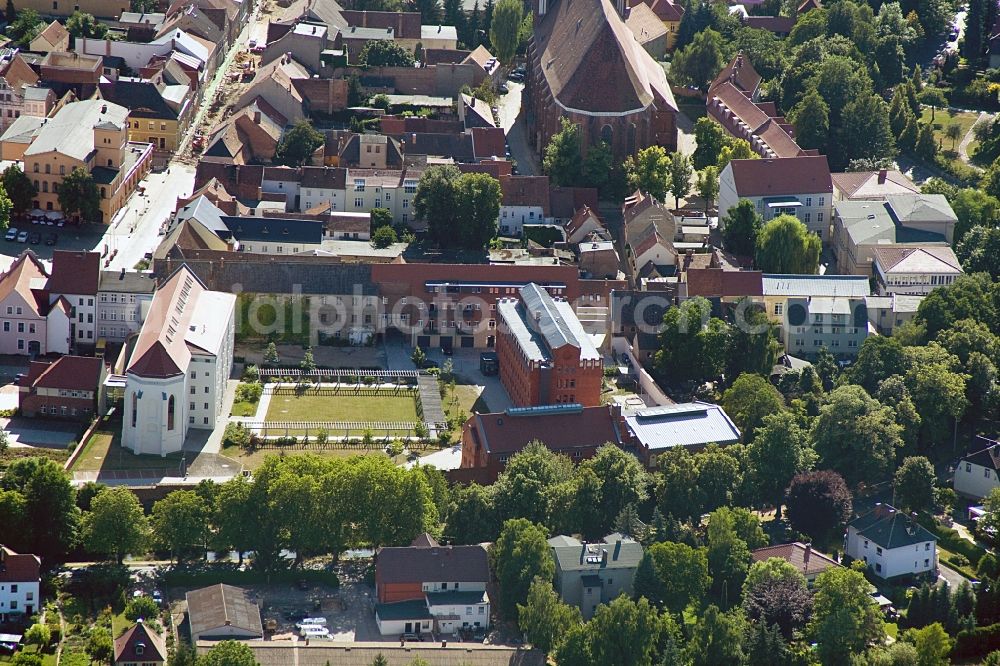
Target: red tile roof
x,y
781,25
74,373
741,73
806,174
590,427
802,556
488,142
526,191
140,645
18,568
722,283
565,201
75,272
581,216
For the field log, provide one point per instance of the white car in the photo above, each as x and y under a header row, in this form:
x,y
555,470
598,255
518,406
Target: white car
x,y
22,237
11,234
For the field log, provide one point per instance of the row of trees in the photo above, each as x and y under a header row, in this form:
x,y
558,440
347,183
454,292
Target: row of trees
x,y
304,503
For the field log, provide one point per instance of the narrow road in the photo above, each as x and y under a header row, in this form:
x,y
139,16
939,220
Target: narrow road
x,y
514,123
963,148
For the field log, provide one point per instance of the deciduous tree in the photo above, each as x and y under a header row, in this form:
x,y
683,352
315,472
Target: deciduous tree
x,y
545,618
679,180
681,575
78,195
785,245
505,29
520,555
717,638
749,400
811,118
385,53
856,435
228,653
299,143
649,172
818,503
700,61
115,525
779,450
19,188
180,523
914,484
845,622
50,515
521,491
740,228
776,593
561,162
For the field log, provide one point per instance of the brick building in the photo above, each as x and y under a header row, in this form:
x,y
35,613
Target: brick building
x,y
575,45
69,387
545,355
489,440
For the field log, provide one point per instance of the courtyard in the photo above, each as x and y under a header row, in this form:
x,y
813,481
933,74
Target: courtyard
x,y
343,405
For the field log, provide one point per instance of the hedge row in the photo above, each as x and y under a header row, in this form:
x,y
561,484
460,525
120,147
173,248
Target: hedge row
x,y
951,540
230,576
976,643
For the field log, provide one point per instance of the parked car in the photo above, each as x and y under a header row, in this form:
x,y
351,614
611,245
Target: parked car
x,y
22,237
35,238
11,234
504,90
51,239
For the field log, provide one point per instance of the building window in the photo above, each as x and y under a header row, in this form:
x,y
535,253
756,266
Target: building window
x,y
170,413
135,408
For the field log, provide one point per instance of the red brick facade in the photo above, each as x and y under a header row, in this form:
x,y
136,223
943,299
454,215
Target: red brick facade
x,y
564,380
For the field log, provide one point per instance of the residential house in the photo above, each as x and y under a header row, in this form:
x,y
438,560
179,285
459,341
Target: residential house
x,y
75,277
914,270
598,258
250,135
102,9
670,13
429,588
376,188
31,325
978,473
158,113
798,186
275,83
545,355
223,612
871,185
20,583
582,225
525,200
809,561
781,26
900,221
123,301
439,36
733,100
140,645
307,43
891,543
370,151
65,72
637,316
141,26
590,574
653,430
816,311
20,94
92,135
576,43
887,313
70,387
649,30
649,234
327,187
177,371
489,440
474,112
53,38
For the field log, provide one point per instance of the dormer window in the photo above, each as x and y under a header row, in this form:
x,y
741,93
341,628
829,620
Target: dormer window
x,y
139,649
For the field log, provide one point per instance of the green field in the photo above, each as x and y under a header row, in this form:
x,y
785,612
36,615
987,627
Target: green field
x,y
942,119
103,451
343,407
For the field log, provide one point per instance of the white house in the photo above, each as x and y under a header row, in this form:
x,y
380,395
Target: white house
x,y
525,200
584,222
891,543
376,188
123,300
798,186
322,186
914,271
176,376
977,473
75,277
20,579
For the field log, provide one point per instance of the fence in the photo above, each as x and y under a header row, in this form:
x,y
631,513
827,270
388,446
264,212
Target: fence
x,y
336,432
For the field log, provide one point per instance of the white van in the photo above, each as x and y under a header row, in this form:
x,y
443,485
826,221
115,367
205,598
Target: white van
x,y
314,631
311,622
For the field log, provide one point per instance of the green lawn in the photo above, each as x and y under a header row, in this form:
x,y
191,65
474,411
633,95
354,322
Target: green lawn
x,y
942,119
103,452
245,408
343,407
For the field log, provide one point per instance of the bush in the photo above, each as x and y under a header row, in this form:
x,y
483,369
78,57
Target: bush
x,y
976,643
236,435
251,373
951,540
249,392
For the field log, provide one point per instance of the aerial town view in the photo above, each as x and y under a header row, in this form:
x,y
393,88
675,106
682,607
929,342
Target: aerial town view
x,y
499,332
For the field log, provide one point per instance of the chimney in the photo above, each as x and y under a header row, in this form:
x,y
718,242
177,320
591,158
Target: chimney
x,y
604,555
104,108
805,556
881,176
256,117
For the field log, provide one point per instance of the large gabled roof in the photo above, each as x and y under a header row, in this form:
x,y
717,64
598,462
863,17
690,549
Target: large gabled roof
x,y
804,174
70,131
889,528
580,42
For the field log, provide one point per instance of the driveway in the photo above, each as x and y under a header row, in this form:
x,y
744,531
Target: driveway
x,y
44,434
514,124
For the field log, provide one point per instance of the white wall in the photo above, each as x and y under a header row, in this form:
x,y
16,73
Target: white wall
x,y
57,332
975,481
149,435
18,602
911,559
513,218
391,627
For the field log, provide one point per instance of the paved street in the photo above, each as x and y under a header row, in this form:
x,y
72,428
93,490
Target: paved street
x,y
513,121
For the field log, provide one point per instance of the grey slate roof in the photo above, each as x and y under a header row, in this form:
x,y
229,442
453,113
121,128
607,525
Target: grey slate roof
x,y
456,598
421,564
414,609
129,282
573,555
886,527
220,605
276,275
542,324
988,457
278,230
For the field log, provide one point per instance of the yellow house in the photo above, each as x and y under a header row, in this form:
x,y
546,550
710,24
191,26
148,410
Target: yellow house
x,y
91,134
158,113
669,12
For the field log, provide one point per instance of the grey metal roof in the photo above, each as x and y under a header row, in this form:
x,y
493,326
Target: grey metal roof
x,y
815,285
868,222
920,208
622,553
204,211
279,230
541,324
686,424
